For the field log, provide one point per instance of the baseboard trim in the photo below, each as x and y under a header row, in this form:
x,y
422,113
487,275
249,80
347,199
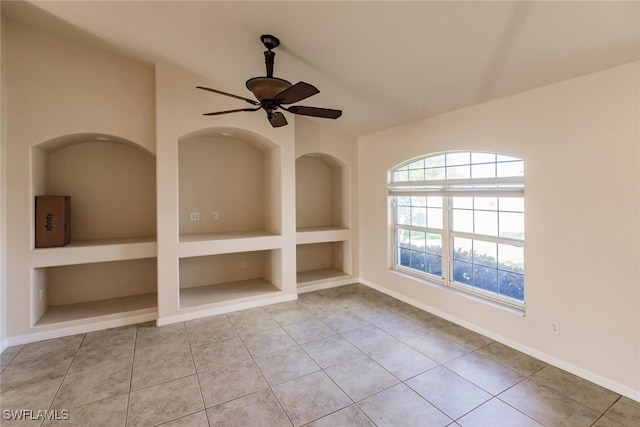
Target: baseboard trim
x,y
587,375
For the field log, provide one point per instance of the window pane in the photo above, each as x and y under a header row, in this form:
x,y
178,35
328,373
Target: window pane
x,y
403,201
463,202
458,172
418,240
404,215
463,272
404,257
486,223
485,278
419,201
434,243
434,265
485,203
512,225
511,258
416,175
503,158
462,249
458,159
511,169
511,204
434,161
511,285
434,174
434,218
419,164
483,171
419,217
485,253
403,238
434,202
400,175
418,261
483,158
462,221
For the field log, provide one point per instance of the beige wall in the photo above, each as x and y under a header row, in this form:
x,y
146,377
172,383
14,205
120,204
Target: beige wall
x,y
314,201
224,268
579,140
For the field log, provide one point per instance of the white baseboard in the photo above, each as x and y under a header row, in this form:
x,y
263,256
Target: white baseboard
x,y
587,375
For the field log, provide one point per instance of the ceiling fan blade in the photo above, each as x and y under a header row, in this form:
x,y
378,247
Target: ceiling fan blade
x,y
297,92
325,113
216,113
250,101
277,119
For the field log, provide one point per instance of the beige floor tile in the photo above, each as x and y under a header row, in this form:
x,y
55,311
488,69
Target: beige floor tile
x,y
260,409
400,406
269,341
625,411
489,413
547,406
104,348
251,321
402,360
513,359
32,371
486,374
307,331
438,346
159,370
93,385
400,327
164,402
369,338
343,321
361,377
288,312
214,355
471,340
448,392
51,350
350,416
606,422
199,419
310,397
111,412
9,354
35,397
285,365
209,330
230,382
331,351
576,388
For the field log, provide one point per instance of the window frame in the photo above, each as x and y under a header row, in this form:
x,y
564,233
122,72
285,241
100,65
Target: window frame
x,y
447,189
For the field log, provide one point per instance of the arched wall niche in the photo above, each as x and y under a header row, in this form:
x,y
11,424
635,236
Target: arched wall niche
x,y
111,181
229,180
322,192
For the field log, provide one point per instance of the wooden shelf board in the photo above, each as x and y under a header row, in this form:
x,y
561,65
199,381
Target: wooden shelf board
x,y
93,309
225,292
320,228
201,237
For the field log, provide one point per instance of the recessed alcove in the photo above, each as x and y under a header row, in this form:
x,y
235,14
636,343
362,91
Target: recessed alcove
x,y
321,261
228,184
228,277
86,291
111,181
322,192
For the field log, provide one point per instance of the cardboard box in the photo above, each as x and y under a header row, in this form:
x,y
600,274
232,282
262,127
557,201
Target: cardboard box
x,y
52,221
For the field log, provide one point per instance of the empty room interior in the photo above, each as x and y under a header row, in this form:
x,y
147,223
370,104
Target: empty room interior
x,y
324,213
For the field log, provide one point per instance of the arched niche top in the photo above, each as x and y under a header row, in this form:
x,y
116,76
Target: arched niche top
x,y
253,139
64,141
329,160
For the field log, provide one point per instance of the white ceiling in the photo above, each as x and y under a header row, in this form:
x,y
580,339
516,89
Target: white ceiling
x,y
382,63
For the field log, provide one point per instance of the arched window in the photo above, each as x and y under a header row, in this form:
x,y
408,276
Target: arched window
x,y
458,220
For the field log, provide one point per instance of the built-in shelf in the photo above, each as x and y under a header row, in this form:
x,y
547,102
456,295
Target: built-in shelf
x,y
322,234
193,245
312,277
92,251
236,291
105,309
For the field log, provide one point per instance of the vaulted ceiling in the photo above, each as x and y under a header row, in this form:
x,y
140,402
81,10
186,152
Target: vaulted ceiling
x,y
382,63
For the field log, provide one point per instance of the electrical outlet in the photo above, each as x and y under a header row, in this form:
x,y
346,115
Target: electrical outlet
x,y
195,216
41,294
555,327
216,215
243,264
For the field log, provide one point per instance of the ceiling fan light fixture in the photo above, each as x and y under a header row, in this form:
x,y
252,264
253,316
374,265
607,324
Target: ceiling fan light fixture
x,y
266,87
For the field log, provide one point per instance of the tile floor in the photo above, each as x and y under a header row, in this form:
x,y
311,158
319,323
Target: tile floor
x,y
347,356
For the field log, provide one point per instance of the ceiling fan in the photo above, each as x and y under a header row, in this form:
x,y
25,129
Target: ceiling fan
x,y
273,93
